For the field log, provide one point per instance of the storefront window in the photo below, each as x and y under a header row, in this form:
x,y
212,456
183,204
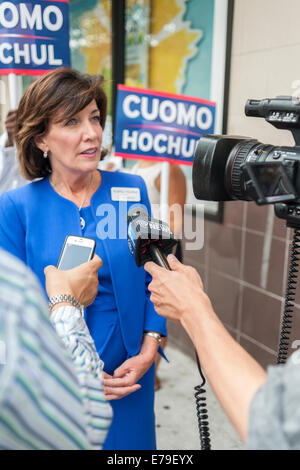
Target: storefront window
x,y
137,42
91,45
169,48
169,45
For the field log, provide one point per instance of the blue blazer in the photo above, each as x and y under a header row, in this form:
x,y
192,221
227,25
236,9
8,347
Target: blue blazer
x,y
35,220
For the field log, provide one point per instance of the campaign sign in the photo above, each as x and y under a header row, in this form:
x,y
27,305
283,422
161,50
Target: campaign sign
x,y
160,126
34,36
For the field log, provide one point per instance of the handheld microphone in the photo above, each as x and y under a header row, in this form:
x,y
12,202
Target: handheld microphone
x,y
149,239
152,240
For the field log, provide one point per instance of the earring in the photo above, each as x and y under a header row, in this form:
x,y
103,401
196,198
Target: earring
x,y
45,155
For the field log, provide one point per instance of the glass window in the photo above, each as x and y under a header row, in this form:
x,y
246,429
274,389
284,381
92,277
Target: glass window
x,y
91,45
137,37
168,47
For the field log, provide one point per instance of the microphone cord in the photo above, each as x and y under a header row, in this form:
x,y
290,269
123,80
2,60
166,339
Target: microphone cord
x,y
159,258
286,324
201,408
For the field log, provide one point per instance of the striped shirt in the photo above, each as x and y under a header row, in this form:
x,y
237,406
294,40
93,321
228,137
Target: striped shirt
x,y
51,391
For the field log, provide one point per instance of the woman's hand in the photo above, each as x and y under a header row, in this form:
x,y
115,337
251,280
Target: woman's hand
x,y
125,378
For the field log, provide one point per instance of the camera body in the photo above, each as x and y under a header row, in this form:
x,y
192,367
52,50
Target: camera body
x,y
228,167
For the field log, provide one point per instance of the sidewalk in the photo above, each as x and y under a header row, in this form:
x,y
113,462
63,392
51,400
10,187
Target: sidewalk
x,y
175,408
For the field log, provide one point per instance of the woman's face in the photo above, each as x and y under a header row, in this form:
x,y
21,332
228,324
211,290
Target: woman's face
x,y
74,145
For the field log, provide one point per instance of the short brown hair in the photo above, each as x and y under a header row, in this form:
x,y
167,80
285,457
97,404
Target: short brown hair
x,y
62,89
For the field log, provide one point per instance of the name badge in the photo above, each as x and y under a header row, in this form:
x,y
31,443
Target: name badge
x,y
125,194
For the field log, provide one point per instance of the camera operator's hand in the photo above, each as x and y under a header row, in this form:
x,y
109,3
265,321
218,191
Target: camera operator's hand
x,y
233,374
81,282
177,293
10,125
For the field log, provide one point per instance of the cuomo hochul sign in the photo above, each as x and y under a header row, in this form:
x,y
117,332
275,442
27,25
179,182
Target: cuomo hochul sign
x,y
160,126
34,36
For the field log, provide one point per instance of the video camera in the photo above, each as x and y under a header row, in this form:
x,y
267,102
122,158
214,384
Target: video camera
x,y
228,167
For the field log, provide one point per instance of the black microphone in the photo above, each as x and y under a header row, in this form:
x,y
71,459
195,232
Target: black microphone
x,y
149,239
152,240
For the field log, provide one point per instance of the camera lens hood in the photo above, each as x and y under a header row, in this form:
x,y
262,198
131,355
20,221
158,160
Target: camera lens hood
x,y
210,159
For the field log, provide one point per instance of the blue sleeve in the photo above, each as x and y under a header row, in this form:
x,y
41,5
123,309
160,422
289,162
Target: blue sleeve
x,y
153,321
12,232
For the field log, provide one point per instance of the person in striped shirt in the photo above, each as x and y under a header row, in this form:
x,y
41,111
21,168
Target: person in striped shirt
x,y
51,390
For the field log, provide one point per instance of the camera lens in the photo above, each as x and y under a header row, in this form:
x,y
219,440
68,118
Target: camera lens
x,y
250,151
217,174
227,167
234,179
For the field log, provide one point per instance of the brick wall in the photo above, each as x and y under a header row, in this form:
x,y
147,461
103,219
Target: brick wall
x,y
244,260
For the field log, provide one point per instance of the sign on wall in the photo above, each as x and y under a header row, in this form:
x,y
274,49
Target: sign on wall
x,y
160,126
34,36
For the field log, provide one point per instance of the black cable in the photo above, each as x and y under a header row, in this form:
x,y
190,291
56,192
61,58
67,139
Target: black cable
x,y
201,408
159,258
286,324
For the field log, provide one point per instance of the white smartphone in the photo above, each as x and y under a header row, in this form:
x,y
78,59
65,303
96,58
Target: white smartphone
x,y
76,250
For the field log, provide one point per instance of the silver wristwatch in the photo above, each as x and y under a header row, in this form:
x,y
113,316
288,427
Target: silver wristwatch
x,y
70,299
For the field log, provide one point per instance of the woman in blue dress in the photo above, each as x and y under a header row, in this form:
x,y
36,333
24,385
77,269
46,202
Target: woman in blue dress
x,y
59,133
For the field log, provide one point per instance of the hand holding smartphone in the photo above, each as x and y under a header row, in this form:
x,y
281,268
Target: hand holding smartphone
x,y
76,250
